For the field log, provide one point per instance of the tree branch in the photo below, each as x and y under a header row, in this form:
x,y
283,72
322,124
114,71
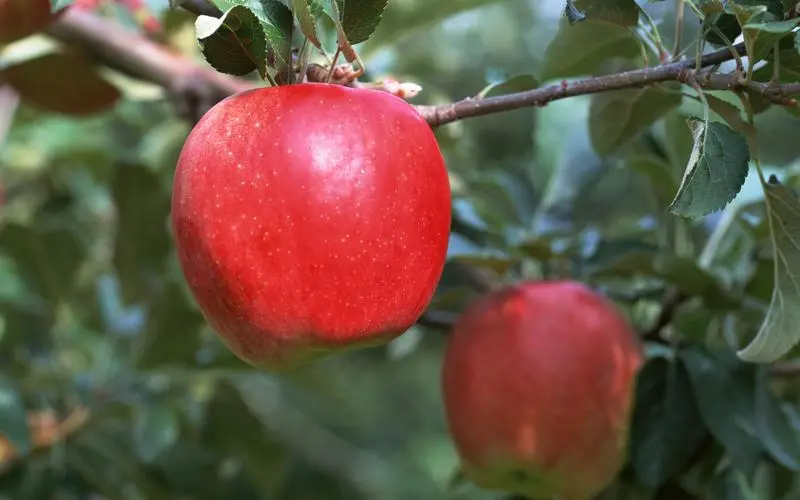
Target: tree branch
x,y
669,308
116,47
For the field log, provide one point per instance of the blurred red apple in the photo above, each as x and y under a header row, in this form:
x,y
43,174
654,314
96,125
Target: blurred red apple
x,y
20,18
538,384
310,218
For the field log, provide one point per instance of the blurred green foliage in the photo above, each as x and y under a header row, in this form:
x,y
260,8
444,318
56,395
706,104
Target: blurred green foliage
x,y
96,315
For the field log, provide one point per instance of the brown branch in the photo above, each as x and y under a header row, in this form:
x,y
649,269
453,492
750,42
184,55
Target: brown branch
x,y
45,430
438,320
9,100
669,308
113,45
789,369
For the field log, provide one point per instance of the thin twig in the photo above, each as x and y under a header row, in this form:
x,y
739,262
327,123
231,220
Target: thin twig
x,y
438,320
142,58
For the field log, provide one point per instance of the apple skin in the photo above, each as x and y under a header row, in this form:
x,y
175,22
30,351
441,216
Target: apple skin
x,y
310,219
538,384
20,18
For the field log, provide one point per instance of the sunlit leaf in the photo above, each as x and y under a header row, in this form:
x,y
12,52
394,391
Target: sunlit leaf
x,y
764,35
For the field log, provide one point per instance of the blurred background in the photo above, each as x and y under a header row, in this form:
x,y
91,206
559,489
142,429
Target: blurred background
x,y
100,339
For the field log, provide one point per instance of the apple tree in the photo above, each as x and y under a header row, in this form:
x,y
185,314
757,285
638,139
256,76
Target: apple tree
x,y
361,249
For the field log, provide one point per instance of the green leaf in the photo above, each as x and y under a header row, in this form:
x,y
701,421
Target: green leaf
x,y
667,428
583,48
171,336
279,35
779,333
276,25
13,417
755,14
234,43
788,72
47,258
518,83
764,35
618,116
624,13
716,170
142,242
360,18
156,429
728,17
724,389
307,12
773,426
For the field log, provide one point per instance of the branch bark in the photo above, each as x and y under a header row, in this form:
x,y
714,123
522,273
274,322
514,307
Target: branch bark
x,y
116,47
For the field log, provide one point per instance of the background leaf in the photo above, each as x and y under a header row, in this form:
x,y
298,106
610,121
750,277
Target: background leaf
x,y
617,116
667,428
777,334
583,48
725,392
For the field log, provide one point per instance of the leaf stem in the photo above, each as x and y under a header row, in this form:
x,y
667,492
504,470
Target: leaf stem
x,y
679,27
333,64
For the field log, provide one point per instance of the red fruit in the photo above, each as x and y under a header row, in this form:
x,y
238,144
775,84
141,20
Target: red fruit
x,y
20,18
538,384
310,218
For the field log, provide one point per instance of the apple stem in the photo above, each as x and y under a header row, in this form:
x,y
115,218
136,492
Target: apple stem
x,y
333,64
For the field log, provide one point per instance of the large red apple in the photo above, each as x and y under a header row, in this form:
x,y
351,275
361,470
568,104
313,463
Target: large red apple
x,y
538,384
20,18
310,218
